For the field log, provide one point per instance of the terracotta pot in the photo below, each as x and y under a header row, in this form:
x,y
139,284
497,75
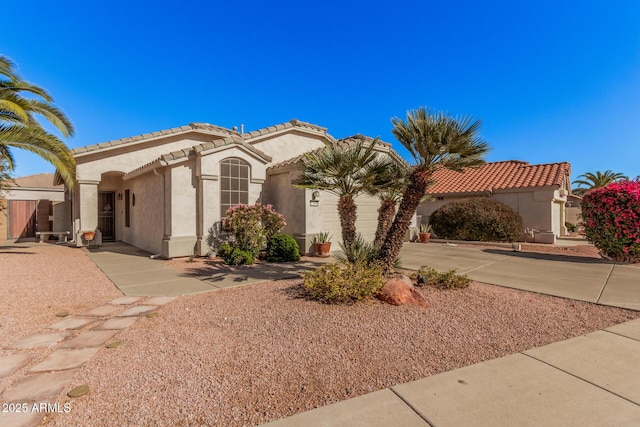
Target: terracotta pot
x,y
88,235
323,249
424,237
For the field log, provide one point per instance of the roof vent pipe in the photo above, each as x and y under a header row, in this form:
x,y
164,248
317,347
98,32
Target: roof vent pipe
x,y
242,129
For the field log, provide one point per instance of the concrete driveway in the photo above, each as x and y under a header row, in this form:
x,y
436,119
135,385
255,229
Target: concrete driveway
x,y
578,278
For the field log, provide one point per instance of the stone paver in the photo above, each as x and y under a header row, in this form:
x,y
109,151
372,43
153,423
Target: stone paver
x,y
515,391
89,339
125,300
137,310
159,300
64,359
601,358
116,323
38,388
13,362
44,340
102,311
71,323
21,419
381,408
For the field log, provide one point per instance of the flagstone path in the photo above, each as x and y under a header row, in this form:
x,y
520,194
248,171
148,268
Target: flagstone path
x,y
44,363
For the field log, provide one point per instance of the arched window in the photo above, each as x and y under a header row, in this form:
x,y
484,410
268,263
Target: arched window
x,y
234,184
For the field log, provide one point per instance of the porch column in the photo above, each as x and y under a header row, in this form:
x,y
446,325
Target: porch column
x,y
87,197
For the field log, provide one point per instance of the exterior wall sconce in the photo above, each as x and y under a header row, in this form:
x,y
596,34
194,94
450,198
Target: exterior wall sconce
x,y
119,196
315,198
133,200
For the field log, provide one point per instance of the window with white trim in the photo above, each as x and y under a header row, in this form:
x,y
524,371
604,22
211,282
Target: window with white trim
x,y
234,184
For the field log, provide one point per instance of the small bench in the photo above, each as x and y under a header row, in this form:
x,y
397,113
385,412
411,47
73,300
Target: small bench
x,y
60,234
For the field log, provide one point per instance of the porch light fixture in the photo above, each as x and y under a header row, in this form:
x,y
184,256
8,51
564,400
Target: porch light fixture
x,y
119,196
315,196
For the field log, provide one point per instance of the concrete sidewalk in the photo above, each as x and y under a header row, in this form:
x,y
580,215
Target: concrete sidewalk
x,y
590,380
579,278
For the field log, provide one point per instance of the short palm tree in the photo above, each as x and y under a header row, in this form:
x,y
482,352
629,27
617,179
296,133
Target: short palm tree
x,y
346,172
596,180
19,127
434,140
389,186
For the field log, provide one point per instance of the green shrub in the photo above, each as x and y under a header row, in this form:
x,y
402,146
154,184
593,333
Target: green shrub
x,y
252,226
478,219
448,280
282,248
571,228
611,216
234,256
343,282
361,251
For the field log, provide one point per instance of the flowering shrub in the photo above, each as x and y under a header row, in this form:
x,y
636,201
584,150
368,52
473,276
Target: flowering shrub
x,y
611,218
252,226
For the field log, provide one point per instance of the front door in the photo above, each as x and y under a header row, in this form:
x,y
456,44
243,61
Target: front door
x,y
106,216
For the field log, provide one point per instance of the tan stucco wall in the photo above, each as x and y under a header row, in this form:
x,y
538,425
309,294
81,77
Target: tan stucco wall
x,y
574,215
146,225
367,217
288,145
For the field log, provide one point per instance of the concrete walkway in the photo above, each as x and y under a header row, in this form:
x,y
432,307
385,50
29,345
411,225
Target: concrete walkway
x,y
591,380
577,278
136,274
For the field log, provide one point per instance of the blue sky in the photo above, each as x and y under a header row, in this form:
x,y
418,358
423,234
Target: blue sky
x,y
552,81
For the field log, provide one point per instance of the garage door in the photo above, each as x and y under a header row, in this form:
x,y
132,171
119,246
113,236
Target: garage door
x,y
22,218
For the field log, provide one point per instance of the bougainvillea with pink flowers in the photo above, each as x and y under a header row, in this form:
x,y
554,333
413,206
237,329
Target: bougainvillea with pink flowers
x,y
252,225
611,218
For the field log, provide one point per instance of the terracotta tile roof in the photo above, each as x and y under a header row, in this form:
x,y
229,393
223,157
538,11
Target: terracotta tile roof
x,y
293,123
41,180
499,176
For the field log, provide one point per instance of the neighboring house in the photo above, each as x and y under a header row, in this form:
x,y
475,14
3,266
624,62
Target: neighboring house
x,y
537,192
32,204
163,191
574,209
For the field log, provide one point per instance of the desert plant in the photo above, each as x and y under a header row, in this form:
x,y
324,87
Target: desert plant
x,y
588,181
234,256
322,237
425,228
611,218
282,248
252,226
479,219
433,140
343,282
449,280
360,251
571,228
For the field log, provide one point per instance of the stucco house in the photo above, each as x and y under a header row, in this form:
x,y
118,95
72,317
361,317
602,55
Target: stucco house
x,y
537,192
32,204
163,191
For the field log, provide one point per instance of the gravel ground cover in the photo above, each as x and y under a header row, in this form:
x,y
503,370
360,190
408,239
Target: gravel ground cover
x,y
253,354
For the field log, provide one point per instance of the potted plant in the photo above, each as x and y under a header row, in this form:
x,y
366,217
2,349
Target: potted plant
x,y
88,235
425,233
322,244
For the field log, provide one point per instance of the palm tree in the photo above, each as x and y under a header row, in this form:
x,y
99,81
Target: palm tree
x,y
596,180
434,140
346,172
20,129
389,186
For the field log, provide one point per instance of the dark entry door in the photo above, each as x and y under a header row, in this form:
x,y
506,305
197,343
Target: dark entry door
x,y
106,215
22,218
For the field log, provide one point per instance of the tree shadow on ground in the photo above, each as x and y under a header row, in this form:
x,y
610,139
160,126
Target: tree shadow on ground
x,y
548,257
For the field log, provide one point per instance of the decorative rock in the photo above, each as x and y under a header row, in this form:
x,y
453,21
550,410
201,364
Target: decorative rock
x,y
400,291
62,314
114,344
79,391
154,314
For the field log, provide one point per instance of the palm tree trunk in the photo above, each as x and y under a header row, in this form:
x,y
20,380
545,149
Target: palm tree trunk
x,y
347,212
416,190
386,213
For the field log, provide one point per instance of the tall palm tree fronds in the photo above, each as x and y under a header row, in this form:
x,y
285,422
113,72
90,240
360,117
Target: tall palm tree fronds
x,y
346,172
434,140
598,179
20,104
